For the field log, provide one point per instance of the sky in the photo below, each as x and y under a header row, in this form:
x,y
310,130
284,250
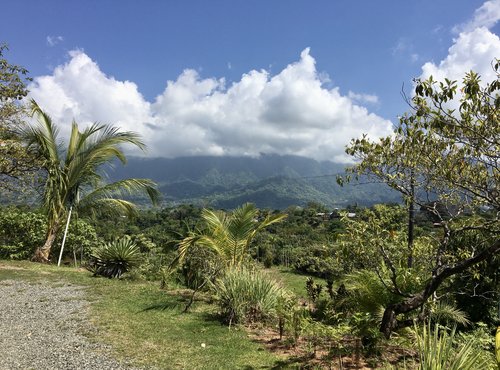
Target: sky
x,y
234,77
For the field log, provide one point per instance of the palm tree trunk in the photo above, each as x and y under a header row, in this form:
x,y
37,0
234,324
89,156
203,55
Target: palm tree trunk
x,y
42,253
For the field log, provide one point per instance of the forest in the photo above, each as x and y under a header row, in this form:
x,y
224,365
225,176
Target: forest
x,y
409,285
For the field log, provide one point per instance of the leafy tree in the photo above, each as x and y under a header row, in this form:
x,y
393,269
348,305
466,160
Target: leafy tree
x,y
15,161
229,234
74,179
443,157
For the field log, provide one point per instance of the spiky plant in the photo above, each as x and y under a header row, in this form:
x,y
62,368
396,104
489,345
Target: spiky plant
x,y
115,258
438,352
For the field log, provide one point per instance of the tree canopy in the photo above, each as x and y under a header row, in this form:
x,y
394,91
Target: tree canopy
x,y
15,160
443,157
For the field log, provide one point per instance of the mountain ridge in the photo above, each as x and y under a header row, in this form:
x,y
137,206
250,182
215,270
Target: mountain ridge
x,y
270,181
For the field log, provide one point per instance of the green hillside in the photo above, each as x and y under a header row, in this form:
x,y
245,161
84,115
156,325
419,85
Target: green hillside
x,y
269,181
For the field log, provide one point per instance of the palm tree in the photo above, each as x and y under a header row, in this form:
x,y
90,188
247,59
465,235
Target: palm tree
x,y
228,234
74,177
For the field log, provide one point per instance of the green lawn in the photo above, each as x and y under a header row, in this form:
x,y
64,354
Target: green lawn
x,y
146,325
292,280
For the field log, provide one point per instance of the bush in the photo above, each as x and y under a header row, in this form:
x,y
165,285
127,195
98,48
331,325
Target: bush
x,y
247,296
80,240
21,232
317,260
115,258
201,265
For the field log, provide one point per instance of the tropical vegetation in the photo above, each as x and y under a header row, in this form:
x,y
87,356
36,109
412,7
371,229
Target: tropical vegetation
x,y
413,284
74,179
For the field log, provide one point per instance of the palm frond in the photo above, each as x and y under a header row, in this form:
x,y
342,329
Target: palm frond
x,y
448,312
228,234
123,188
43,135
110,207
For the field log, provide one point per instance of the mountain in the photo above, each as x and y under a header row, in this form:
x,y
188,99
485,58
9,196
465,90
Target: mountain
x,y
269,181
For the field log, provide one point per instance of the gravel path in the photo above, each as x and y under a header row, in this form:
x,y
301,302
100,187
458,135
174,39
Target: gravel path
x,y
42,326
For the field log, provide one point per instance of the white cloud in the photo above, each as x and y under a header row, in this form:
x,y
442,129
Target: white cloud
x,y
474,48
363,98
287,113
54,40
487,15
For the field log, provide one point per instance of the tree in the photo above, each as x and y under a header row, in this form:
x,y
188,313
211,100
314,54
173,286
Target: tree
x,y
74,178
15,161
229,235
444,157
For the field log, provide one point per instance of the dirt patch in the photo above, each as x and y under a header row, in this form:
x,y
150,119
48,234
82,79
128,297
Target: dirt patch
x,y
347,353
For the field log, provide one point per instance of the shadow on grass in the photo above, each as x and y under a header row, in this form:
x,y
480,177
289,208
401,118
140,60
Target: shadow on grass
x,y
162,306
178,300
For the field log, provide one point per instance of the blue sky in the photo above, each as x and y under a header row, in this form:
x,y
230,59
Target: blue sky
x,y
180,72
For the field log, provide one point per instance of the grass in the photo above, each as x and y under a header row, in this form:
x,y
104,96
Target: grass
x,y
293,281
146,326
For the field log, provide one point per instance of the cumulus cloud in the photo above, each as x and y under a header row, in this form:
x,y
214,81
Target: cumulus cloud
x,y
474,48
287,113
487,15
54,40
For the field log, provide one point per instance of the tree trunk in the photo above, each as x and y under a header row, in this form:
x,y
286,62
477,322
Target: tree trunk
x,y
42,254
390,321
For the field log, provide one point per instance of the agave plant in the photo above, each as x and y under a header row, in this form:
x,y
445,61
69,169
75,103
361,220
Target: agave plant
x,y
115,258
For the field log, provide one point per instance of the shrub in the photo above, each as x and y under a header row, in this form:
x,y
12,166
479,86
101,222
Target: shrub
x,y
80,240
200,266
20,232
115,258
317,260
247,296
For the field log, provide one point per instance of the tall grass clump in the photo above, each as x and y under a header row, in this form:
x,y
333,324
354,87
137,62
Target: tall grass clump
x,y
247,296
438,352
